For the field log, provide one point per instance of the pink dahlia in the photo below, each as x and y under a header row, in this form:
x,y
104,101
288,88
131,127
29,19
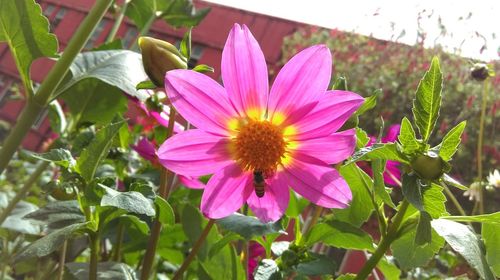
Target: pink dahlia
x,y
257,143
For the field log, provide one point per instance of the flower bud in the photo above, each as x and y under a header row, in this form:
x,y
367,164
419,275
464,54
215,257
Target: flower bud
x,y
158,57
479,72
428,166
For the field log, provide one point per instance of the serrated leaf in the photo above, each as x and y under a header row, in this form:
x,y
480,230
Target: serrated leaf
x,y
424,230
390,270
26,30
407,137
202,68
118,68
493,218
378,183
185,47
491,239
59,156
58,214
132,202
451,141
385,151
361,138
340,235
369,103
165,213
412,190
105,270
249,227
50,242
427,102
464,241
91,156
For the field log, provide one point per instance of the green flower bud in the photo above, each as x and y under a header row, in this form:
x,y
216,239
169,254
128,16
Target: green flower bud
x,y
479,72
158,57
352,122
428,166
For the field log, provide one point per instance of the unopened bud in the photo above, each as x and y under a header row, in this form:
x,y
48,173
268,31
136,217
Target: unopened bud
x,y
428,166
158,57
479,72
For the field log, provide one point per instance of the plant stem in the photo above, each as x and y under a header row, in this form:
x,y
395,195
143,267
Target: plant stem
x,y
145,30
118,22
480,145
194,251
119,241
453,199
392,234
35,105
22,192
94,255
312,221
62,260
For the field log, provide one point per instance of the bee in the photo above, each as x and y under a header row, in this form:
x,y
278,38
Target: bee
x,y
259,183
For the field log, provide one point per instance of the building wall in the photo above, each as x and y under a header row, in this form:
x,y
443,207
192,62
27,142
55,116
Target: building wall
x,y
208,41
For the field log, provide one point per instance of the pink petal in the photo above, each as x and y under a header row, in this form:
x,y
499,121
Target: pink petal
x,y
392,134
301,81
162,119
200,100
190,182
392,168
273,204
146,149
331,112
226,192
318,182
195,153
244,72
331,149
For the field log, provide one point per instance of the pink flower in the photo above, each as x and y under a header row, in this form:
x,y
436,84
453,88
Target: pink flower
x,y
392,174
257,142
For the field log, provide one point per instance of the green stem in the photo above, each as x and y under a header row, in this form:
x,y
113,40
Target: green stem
x,y
35,105
392,234
480,145
23,191
312,221
119,241
194,251
453,199
118,22
145,30
94,255
62,260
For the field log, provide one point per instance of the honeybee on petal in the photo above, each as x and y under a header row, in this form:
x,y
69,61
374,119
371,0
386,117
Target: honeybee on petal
x,y
259,183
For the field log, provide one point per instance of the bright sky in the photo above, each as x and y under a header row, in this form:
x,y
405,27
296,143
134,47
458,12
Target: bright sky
x,y
469,24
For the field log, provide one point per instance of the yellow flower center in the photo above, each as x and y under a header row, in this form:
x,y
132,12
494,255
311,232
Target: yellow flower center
x,y
259,146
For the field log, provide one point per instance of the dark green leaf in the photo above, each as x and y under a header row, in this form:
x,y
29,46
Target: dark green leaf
x,y
369,103
58,214
26,31
424,230
132,202
493,218
412,190
202,68
16,222
249,227
105,270
130,221
451,141
361,206
145,85
491,239
390,270
381,191
428,100
322,265
227,239
50,242
185,47
408,139
165,212
341,235
386,151
97,150
60,157
464,241
183,14
119,68
267,270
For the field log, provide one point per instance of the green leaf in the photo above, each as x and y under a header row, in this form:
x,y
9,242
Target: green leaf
x,y
118,68
493,218
249,227
267,270
26,31
390,270
349,276
183,14
412,190
49,243
185,47
361,206
435,201
16,222
58,214
361,138
428,100
424,230
408,139
341,235
340,83
165,212
410,255
451,141
57,118
386,151
202,68
464,241
296,205
132,202
130,221
378,183
491,239
61,157
146,85
227,239
97,150
369,103
105,270
322,265
452,182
